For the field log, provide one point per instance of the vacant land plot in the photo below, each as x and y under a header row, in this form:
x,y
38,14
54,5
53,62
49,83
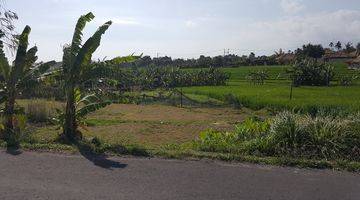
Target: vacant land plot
x,y
151,125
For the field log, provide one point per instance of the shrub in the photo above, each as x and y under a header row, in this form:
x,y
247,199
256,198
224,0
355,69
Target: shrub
x,y
257,77
289,134
347,80
252,128
215,141
14,139
310,72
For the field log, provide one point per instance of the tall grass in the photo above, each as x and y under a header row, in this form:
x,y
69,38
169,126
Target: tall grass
x,y
39,110
289,134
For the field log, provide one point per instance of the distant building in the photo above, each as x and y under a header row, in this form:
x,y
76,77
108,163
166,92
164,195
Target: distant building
x,y
331,56
355,63
285,58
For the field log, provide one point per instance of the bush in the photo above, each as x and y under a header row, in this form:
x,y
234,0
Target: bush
x,y
319,137
257,77
347,80
289,134
13,138
312,73
215,141
252,128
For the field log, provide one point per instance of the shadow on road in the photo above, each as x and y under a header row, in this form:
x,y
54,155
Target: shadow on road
x,y
97,159
13,151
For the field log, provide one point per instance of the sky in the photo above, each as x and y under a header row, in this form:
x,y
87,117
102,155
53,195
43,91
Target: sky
x,y
189,28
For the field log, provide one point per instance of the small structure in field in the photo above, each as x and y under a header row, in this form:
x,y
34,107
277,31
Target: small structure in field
x,y
331,56
285,58
354,64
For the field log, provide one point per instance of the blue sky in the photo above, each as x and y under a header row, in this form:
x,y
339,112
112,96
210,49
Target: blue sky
x,y
189,28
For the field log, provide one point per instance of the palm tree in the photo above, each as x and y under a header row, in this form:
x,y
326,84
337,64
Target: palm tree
x,y
338,46
76,63
14,77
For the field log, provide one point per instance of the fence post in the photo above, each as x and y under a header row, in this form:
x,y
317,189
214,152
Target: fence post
x,y
181,97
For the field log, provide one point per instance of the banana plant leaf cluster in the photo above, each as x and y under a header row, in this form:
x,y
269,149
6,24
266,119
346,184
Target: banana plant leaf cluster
x,y
77,68
21,75
161,77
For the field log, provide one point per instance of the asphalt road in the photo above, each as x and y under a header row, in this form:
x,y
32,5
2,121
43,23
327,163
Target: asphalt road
x,y
33,175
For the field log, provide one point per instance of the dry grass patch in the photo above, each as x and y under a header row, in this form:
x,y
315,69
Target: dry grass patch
x,y
153,125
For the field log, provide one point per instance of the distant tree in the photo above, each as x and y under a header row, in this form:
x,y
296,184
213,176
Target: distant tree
x,y
279,53
331,45
218,61
349,47
252,58
338,46
204,61
311,51
144,61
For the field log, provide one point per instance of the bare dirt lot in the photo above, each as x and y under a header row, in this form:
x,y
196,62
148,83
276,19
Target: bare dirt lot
x,y
154,125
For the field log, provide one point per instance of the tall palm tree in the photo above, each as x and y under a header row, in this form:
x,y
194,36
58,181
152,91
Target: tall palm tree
x,y
76,64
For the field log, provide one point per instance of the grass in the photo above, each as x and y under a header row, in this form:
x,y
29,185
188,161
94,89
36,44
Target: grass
x,y
275,93
288,134
181,153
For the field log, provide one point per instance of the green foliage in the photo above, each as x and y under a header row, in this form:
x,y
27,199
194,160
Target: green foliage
x,y
77,64
348,80
311,51
257,77
215,141
151,78
157,77
16,78
310,72
84,105
252,128
288,134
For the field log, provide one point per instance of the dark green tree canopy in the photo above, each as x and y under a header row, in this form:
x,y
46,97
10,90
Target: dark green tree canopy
x,y
311,51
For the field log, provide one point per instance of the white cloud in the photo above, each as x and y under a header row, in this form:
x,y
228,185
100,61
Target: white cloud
x,y
190,24
291,32
125,21
291,6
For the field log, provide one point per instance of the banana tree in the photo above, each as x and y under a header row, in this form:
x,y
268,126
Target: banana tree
x,y
76,64
14,77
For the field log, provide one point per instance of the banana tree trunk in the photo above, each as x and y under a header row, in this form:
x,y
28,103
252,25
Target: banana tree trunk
x,y
9,112
70,126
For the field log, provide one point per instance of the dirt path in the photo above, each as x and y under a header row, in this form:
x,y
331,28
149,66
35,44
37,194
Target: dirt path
x,y
33,175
